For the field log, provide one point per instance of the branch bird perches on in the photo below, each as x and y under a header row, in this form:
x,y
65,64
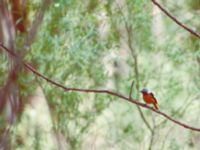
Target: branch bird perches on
x,y
67,89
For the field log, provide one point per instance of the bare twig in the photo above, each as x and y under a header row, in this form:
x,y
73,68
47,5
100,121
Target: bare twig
x,y
181,110
131,90
139,109
29,67
152,133
36,23
175,20
134,55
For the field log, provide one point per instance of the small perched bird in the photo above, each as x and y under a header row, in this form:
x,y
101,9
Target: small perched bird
x,y
149,98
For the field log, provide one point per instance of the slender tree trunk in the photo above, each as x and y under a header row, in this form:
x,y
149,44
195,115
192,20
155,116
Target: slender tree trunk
x,y
9,94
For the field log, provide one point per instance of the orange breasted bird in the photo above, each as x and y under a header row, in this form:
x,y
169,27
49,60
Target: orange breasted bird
x,y
149,98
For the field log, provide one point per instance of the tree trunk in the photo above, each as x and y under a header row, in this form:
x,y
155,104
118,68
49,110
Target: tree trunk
x,y
9,94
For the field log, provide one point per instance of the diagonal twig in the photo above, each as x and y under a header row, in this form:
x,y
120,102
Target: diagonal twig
x,y
131,90
140,111
175,20
36,23
152,133
134,55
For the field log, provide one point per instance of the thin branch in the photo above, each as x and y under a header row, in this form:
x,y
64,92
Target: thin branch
x,y
36,23
175,20
134,55
99,91
152,133
131,90
139,109
181,110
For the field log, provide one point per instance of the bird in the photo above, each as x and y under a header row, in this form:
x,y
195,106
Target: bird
x,y
149,98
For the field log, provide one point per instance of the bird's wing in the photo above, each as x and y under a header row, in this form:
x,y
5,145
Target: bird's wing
x,y
153,96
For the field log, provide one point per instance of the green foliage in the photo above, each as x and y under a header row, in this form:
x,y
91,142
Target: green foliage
x,y
69,49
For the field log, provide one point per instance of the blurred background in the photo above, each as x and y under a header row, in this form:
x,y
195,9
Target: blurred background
x,y
98,44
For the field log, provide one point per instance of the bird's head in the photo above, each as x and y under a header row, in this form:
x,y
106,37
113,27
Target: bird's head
x,y
144,91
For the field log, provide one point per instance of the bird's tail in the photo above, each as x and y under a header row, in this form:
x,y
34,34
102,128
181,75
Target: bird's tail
x,y
155,106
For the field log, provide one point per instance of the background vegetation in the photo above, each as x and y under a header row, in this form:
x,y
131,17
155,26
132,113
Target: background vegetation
x,y
107,45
